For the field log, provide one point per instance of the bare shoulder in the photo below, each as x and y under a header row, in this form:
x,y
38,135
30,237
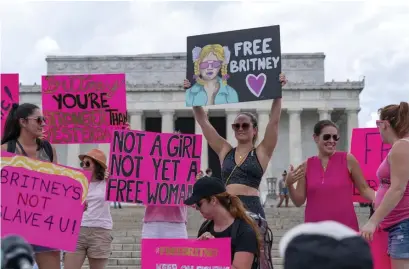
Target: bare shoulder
x,y
400,148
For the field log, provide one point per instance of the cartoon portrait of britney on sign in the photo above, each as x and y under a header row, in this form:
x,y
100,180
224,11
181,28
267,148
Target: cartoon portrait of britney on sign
x,y
211,74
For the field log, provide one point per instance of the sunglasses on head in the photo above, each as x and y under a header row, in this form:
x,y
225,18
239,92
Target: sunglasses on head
x,y
327,137
85,164
39,119
237,126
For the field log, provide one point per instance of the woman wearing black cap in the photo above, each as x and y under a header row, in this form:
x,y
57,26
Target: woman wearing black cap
x,y
226,217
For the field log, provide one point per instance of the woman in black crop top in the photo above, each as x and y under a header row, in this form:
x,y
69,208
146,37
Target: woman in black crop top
x,y
244,165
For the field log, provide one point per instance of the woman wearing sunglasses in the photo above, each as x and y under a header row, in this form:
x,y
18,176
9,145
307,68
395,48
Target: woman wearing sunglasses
x,y
226,217
243,166
392,198
22,135
326,181
94,240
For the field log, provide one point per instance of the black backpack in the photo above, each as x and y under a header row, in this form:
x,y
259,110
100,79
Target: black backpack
x,y
264,260
11,147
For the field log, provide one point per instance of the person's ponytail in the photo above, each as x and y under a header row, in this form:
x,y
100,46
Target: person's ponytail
x,y
402,122
236,208
11,128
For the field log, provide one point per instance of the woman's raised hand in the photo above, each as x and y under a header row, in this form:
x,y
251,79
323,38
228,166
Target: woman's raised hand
x,y
206,236
283,79
186,84
295,175
43,135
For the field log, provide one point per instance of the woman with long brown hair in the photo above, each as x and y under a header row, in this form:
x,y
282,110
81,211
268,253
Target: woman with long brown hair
x,y
22,135
392,198
243,166
226,215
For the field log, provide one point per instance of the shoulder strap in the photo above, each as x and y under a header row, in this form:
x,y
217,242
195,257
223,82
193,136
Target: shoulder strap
x,y
203,227
237,165
11,146
48,149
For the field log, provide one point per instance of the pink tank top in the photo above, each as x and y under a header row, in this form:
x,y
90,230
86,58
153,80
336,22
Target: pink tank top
x,y
401,211
175,214
329,192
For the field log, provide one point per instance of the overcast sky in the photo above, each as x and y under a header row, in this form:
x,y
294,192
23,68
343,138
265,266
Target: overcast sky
x,y
358,38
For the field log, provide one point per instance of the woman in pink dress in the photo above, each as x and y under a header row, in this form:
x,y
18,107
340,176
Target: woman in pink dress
x,y
392,199
326,181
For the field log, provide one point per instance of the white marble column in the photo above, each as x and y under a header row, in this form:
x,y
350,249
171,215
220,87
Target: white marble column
x,y
168,120
325,114
72,155
136,120
352,122
204,164
231,115
295,146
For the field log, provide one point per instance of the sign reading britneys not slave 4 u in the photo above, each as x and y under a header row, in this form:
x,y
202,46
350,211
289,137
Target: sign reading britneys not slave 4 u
x,y
235,66
83,109
41,201
152,168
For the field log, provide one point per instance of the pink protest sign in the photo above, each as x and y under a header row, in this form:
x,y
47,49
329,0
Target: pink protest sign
x,y
379,250
152,168
186,253
9,94
369,150
83,109
41,201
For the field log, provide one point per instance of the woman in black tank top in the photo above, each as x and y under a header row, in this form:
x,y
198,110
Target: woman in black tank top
x,y
22,134
243,166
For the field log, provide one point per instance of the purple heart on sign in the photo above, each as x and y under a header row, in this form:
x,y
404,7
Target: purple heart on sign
x,y
256,83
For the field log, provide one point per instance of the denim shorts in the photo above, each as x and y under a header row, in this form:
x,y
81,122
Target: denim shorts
x,y
398,240
39,249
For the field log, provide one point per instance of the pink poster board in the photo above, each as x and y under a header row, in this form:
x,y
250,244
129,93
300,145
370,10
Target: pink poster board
x,y
369,150
41,201
153,168
10,90
83,109
186,253
379,249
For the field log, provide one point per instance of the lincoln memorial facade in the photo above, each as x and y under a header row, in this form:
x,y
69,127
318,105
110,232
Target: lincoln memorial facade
x,y
155,101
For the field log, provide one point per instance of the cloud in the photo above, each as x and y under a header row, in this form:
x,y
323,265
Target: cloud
x,y
359,38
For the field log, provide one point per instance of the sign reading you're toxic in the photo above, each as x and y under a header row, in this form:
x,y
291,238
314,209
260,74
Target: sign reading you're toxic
x,y
41,201
370,151
83,109
153,168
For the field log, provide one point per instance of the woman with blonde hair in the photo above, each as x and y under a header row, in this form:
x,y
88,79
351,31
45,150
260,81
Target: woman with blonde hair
x,y
210,88
95,237
392,198
226,214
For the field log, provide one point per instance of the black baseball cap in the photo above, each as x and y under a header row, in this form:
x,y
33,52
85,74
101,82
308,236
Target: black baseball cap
x,y
205,187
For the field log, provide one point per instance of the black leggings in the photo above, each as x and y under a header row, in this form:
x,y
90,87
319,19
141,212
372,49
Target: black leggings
x,y
253,204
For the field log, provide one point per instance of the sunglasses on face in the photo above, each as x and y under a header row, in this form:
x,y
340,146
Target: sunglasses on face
x,y
380,122
327,137
39,119
85,164
236,126
211,64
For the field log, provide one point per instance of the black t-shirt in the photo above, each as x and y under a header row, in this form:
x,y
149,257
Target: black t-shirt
x,y
245,239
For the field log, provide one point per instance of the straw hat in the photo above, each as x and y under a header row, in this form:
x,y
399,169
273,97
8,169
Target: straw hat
x,y
97,155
